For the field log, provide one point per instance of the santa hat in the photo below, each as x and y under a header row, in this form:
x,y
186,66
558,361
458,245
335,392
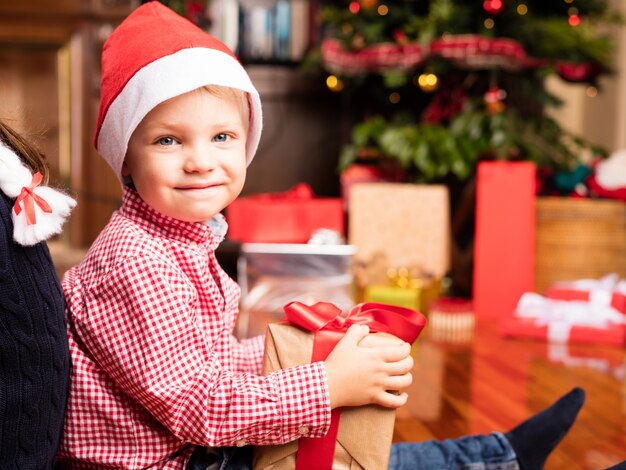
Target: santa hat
x,y
155,55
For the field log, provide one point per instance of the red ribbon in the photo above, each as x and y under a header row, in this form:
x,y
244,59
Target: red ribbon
x,y
328,324
28,199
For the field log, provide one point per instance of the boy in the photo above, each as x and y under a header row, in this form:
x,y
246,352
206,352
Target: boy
x,y
158,379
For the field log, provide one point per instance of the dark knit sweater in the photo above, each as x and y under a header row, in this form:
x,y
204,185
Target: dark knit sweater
x,y
34,355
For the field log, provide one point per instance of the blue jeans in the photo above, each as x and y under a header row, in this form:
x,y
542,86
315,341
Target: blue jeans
x,y
475,452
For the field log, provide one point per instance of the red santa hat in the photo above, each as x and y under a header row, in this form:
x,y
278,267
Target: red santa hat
x,y
155,55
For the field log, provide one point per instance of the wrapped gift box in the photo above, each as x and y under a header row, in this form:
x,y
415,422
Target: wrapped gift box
x,y
289,217
410,292
565,321
364,433
518,327
607,290
409,297
273,274
617,300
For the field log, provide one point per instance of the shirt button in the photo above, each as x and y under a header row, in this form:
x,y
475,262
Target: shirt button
x,y
303,430
240,443
193,245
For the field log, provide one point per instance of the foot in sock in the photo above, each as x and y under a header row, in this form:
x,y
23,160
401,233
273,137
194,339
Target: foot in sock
x,y
619,466
535,438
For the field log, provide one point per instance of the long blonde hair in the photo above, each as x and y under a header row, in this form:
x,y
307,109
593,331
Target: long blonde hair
x,y
29,155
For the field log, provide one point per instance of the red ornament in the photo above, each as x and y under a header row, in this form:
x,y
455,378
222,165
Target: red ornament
x,y
576,72
400,37
494,100
354,7
445,105
493,7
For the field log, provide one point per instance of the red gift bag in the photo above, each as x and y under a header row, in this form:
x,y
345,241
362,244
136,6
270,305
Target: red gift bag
x,y
504,244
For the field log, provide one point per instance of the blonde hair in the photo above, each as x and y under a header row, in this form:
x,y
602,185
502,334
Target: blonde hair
x,y
240,97
30,156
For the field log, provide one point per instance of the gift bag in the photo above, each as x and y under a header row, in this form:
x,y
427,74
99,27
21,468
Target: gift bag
x,y
505,238
406,224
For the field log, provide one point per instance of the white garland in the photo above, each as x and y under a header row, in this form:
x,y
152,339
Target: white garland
x,y
13,177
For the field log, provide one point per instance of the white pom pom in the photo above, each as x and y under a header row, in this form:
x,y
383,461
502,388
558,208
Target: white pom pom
x,y
47,223
14,176
611,173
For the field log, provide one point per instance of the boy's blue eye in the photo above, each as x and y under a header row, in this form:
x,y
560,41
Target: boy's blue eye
x,y
221,138
166,141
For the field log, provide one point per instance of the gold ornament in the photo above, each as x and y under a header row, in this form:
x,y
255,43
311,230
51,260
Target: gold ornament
x,y
358,41
428,82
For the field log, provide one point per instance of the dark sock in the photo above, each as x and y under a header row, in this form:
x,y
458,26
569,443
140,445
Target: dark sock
x,y
534,439
619,466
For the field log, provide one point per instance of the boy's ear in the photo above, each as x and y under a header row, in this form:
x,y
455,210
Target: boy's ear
x,y
125,170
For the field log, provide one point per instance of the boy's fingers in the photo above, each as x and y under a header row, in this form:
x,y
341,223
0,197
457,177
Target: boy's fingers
x,y
392,400
400,367
395,353
399,382
356,333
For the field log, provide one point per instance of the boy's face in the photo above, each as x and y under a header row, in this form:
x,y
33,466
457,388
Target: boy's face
x,y
187,157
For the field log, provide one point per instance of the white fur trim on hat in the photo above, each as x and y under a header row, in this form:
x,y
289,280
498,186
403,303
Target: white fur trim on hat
x,y
14,176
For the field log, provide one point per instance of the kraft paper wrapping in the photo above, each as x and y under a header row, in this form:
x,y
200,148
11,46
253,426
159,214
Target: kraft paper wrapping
x,y
407,224
365,433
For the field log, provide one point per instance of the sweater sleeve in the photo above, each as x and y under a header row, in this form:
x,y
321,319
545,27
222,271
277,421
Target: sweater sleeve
x,y
139,323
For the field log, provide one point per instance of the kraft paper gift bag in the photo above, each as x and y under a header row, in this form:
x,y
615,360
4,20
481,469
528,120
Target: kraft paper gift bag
x,y
408,224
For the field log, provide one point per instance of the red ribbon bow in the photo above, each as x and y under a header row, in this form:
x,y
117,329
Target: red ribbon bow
x,y
328,324
29,198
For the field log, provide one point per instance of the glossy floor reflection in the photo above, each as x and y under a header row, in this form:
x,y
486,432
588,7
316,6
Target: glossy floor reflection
x,y
489,383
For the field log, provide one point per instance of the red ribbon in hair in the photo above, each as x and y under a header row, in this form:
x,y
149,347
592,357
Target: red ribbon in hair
x,y
328,325
28,199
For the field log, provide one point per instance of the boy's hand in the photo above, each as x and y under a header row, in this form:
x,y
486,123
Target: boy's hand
x,y
372,372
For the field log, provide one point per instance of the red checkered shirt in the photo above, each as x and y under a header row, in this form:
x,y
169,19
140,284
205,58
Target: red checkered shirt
x,y
156,369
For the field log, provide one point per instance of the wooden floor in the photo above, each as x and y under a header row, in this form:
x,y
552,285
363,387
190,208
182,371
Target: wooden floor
x,y
488,383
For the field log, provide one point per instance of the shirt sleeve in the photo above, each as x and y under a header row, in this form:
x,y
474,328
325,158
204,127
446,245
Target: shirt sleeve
x,y
139,323
248,354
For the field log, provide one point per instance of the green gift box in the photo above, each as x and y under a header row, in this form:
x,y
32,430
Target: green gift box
x,y
409,297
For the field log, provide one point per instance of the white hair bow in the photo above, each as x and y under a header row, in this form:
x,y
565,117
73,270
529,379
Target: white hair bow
x,y
39,211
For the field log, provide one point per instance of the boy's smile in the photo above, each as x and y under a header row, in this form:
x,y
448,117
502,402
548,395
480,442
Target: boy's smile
x,y
187,157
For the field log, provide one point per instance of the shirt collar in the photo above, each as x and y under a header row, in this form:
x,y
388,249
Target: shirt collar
x,y
156,223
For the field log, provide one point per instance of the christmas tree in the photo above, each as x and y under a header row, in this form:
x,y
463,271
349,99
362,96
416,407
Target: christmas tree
x,y
441,84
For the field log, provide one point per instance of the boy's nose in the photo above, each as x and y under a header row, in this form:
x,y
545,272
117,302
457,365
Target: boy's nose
x,y
200,158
